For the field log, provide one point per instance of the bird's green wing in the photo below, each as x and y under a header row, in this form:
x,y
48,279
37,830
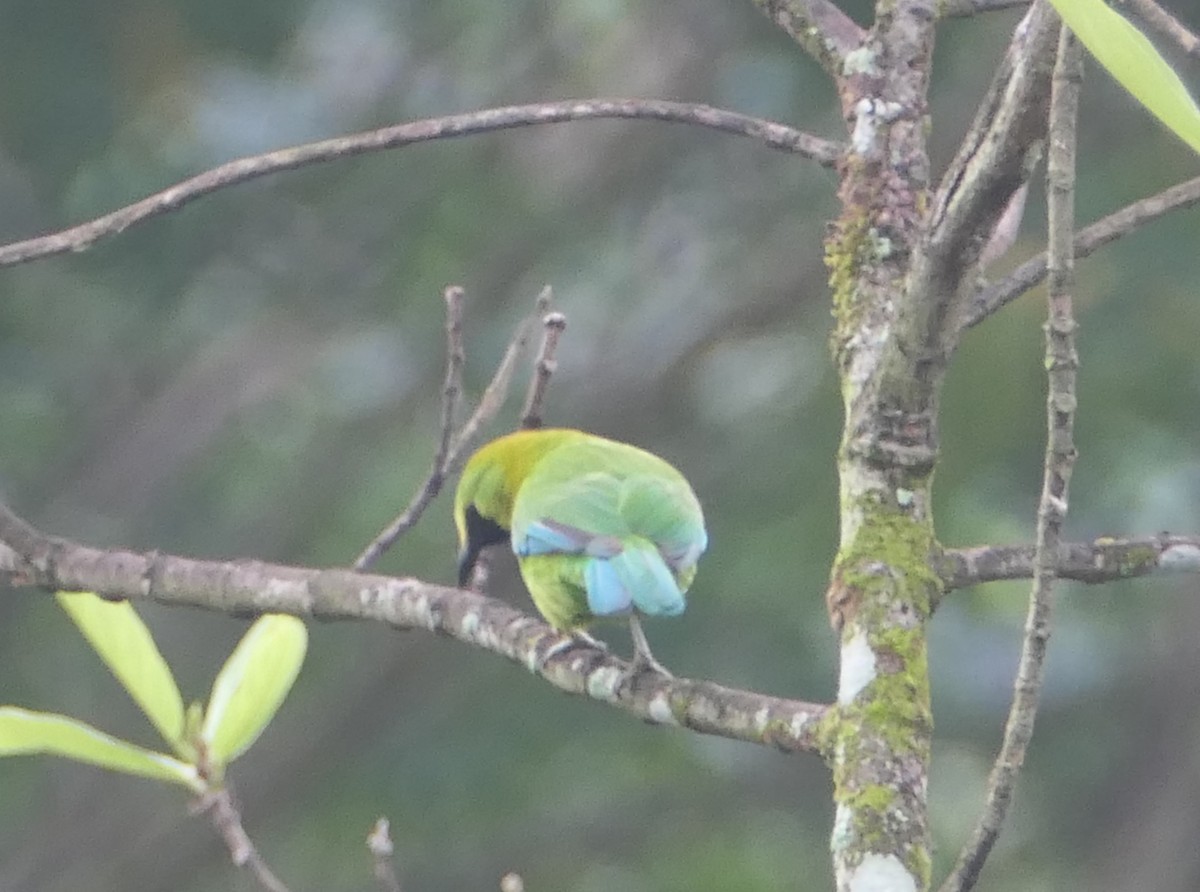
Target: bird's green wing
x,y
630,513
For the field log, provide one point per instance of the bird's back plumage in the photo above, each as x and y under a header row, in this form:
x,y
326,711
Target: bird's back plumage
x,y
600,528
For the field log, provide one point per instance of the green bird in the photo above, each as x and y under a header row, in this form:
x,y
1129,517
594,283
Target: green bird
x,y
599,528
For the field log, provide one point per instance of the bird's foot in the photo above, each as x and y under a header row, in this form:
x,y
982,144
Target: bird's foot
x,y
643,659
645,662
574,639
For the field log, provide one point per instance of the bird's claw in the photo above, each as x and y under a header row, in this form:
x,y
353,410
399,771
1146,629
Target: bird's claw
x,y
643,659
644,662
575,639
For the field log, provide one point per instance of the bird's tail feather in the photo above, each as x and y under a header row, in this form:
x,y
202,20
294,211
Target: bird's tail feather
x,y
636,577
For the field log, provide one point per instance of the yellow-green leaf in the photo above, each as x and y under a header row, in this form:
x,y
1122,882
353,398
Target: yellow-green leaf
x,y
123,642
25,732
1132,59
251,686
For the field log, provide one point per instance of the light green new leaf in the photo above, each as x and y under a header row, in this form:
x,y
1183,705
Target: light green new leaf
x,y
1132,59
24,732
124,644
251,686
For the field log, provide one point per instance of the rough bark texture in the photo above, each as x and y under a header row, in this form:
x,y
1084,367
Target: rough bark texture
x,y
882,584
250,588
898,257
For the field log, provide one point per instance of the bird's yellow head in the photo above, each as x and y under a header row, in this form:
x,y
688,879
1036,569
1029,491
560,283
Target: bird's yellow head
x,y
483,502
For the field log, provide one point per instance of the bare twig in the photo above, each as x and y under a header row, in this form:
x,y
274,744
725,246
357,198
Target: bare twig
x,y
379,844
497,390
1099,561
961,8
1108,229
531,415
1166,25
451,392
83,236
1062,362
821,28
223,812
251,587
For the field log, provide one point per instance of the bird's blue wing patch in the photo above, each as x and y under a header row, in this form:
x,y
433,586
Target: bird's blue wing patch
x,y
607,593
637,577
548,536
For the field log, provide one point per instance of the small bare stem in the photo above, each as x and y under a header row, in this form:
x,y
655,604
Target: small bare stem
x,y
962,8
555,324
451,392
1166,25
1089,239
221,809
497,390
1062,362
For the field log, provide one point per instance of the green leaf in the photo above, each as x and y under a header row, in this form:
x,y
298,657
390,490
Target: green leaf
x,y
251,686
1132,59
124,644
24,732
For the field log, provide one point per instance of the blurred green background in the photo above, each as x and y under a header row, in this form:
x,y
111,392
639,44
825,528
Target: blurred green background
x,y
258,375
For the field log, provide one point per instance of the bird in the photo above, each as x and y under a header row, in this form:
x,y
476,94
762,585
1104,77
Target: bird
x,y
600,528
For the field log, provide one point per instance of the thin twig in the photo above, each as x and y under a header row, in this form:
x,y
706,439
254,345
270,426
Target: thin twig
x,y
555,324
451,392
820,27
1099,561
379,844
531,415
1107,229
1062,362
497,390
223,812
960,8
1166,25
83,236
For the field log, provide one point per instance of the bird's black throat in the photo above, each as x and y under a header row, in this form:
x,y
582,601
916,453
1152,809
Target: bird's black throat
x,y
481,532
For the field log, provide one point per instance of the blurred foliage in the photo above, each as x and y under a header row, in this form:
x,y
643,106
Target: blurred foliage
x,y
258,375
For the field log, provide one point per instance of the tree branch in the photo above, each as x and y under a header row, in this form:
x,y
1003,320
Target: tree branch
x,y
222,811
83,236
1108,229
452,446
821,28
250,588
1165,25
1062,364
1102,560
994,160
960,8
451,392
531,415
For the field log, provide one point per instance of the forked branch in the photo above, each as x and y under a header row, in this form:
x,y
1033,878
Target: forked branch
x,y
452,445
1108,229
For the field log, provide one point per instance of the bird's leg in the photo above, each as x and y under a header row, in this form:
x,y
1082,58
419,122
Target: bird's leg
x,y
642,657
